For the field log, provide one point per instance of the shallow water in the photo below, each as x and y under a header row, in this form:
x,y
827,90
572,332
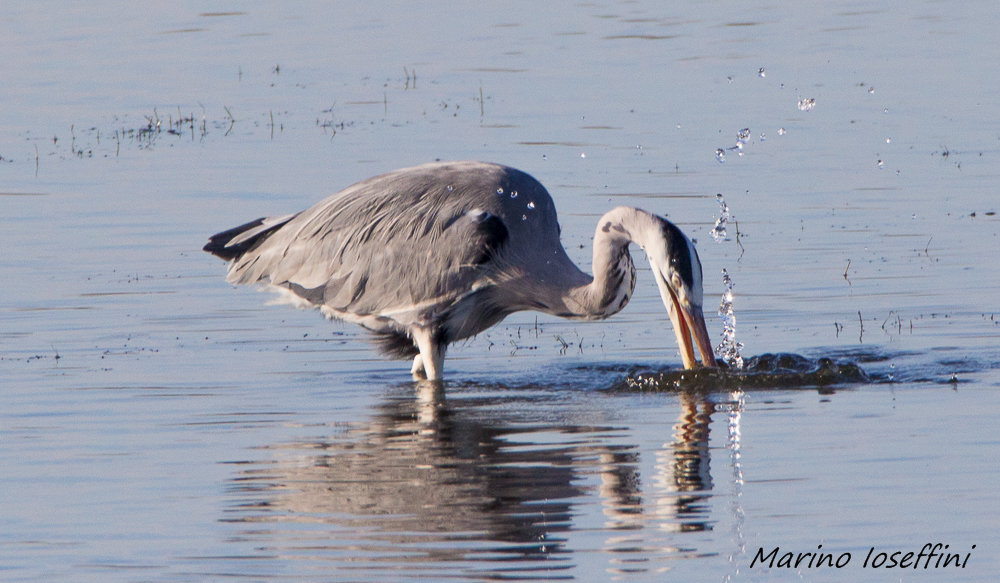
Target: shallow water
x,y
160,425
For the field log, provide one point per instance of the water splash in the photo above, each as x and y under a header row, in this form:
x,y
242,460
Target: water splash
x,y
741,138
807,104
719,232
729,349
763,372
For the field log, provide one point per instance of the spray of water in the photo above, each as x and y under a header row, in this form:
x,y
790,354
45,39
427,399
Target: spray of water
x,y
719,232
741,139
729,349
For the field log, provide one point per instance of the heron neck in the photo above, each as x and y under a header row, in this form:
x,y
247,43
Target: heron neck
x,y
614,272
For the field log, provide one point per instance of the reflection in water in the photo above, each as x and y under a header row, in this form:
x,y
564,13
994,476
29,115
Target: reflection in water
x,y
735,406
452,487
679,495
684,479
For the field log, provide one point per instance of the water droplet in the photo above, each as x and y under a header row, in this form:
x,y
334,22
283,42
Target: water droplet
x,y
450,188
719,232
807,104
763,137
913,216
886,110
897,172
524,217
888,140
729,349
513,194
531,205
871,90
678,126
730,79
721,155
500,191
880,164
583,155
760,73
743,134
781,131
544,157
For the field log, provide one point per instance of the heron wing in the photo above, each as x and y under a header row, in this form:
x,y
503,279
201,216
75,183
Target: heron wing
x,y
396,246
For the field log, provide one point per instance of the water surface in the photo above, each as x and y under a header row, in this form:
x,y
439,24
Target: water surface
x,y
160,425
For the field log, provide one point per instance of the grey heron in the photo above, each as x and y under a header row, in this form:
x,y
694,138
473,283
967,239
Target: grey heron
x,y
430,255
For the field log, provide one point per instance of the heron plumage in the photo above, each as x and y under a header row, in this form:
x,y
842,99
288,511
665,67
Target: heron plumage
x,y
430,255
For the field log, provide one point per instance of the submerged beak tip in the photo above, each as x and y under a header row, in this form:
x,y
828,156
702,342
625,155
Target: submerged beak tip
x,y
699,334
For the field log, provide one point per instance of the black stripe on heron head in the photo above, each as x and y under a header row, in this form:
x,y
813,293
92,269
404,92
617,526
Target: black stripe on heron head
x,y
680,253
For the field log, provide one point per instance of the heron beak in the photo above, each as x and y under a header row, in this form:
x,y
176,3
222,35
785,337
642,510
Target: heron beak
x,y
689,326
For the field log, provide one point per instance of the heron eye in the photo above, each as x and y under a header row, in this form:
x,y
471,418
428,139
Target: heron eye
x,y
676,281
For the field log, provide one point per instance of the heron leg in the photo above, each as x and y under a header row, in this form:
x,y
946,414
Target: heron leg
x,y
431,357
418,368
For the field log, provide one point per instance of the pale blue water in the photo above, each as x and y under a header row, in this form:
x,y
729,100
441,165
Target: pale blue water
x,y
158,424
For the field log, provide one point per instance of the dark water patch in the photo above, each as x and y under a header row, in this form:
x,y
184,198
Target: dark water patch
x,y
766,371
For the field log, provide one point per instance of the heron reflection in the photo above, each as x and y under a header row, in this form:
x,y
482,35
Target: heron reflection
x,y
428,480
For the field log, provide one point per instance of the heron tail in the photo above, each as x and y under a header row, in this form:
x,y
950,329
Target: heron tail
x,y
236,241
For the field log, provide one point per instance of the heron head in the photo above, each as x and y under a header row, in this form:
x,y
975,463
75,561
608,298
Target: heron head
x,y
677,270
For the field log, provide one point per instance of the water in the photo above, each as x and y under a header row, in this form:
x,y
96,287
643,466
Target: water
x,y
719,230
159,424
729,349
